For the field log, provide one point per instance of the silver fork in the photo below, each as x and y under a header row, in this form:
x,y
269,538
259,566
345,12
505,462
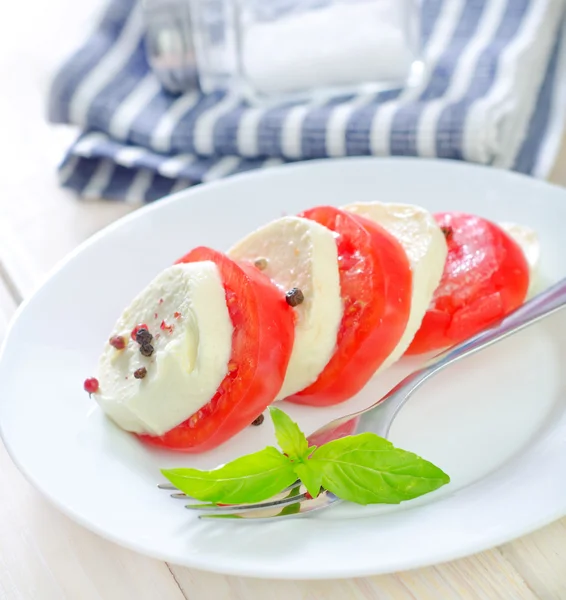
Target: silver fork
x,y
378,418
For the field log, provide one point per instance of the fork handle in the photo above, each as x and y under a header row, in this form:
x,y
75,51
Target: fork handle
x,y
379,417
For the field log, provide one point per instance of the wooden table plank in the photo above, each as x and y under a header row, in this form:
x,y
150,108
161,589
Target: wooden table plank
x,y
540,559
486,576
31,246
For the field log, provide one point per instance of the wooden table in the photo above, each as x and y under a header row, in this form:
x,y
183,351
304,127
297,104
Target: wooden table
x,y
45,556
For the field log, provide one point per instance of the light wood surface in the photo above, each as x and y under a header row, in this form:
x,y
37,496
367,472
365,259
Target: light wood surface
x,y
45,556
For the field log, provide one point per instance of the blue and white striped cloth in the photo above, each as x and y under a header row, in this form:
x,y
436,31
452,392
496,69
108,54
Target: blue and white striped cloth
x,y
494,70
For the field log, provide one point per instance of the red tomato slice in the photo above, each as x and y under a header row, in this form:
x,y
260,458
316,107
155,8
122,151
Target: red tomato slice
x,y
264,330
376,285
486,276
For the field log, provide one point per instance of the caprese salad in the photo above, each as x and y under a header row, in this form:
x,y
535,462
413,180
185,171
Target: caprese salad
x,y
307,308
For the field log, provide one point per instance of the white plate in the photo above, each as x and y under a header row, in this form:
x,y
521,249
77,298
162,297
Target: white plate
x,y
496,422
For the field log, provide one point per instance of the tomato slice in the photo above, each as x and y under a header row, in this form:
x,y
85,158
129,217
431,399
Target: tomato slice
x,y
261,346
486,276
376,286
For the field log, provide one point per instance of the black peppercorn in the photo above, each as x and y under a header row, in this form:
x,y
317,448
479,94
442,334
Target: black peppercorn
x,y
143,336
259,420
140,373
146,349
294,297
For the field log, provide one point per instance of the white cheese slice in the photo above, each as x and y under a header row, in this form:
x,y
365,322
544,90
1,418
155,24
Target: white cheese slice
x,y
425,246
300,253
191,351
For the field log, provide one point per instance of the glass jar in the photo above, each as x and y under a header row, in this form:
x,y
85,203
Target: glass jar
x,y
214,35
169,43
273,51
309,49
191,43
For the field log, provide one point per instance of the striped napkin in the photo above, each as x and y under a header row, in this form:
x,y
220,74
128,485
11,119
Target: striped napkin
x,y
495,94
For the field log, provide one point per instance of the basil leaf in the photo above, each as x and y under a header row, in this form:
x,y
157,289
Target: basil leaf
x,y
368,469
310,475
289,437
250,478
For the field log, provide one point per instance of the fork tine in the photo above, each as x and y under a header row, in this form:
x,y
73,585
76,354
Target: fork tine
x,y
166,486
297,509
181,496
281,503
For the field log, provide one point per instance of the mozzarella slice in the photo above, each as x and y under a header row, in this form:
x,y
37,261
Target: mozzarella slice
x,y
185,310
425,246
301,254
527,239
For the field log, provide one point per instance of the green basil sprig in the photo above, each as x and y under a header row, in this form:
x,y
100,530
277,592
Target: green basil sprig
x,y
363,468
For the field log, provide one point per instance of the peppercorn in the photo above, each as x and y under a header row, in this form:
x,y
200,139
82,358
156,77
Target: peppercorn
x,y
91,385
136,329
118,342
146,349
143,336
261,264
259,420
140,373
294,297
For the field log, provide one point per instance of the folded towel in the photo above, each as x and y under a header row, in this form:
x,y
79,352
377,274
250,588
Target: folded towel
x,y
495,68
